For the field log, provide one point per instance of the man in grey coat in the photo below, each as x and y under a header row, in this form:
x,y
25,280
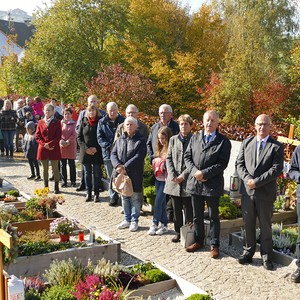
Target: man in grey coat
x,y
258,164
206,158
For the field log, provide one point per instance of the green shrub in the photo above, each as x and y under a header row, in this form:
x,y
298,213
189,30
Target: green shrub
x,y
58,292
149,194
199,297
14,193
142,268
227,210
65,273
156,275
32,295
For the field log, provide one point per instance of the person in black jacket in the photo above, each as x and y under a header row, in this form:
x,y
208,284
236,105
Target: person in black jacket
x,y
206,158
90,152
127,157
30,147
294,173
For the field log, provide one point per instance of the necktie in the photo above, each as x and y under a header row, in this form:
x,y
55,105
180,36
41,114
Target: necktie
x,y
259,150
208,137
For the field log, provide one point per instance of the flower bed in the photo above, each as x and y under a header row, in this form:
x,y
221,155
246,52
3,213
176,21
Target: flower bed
x,y
35,264
284,256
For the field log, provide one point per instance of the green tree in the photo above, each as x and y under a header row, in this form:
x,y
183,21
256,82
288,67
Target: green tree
x,y
259,39
70,44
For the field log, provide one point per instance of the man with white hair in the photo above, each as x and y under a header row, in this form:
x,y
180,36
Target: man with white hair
x,y
106,130
132,111
165,119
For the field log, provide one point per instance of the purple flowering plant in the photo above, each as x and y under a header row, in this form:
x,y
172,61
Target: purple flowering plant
x,y
63,225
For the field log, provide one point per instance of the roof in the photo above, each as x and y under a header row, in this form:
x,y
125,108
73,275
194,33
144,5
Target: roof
x,y
24,32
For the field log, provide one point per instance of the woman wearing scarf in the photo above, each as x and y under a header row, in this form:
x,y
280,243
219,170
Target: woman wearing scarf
x,y
90,152
48,135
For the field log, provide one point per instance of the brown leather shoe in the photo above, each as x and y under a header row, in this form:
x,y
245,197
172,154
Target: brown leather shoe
x,y
214,252
194,247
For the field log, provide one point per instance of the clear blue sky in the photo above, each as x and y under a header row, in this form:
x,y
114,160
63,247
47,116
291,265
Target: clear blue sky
x,y
30,5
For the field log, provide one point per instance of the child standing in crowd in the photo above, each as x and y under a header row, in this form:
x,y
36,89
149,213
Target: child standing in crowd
x,y
159,168
29,117
30,150
38,107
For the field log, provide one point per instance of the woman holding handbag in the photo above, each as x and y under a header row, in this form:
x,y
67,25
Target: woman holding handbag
x,y
127,157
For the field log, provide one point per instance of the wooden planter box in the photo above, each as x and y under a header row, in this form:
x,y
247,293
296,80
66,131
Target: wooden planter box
x,y
33,265
33,225
236,240
235,225
19,205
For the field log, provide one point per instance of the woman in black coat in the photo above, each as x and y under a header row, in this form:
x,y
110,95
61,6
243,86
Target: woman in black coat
x,y
90,152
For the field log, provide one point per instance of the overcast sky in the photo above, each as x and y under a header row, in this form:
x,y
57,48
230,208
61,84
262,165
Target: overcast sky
x,y
30,5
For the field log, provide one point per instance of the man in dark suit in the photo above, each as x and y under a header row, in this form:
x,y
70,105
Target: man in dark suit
x,y
259,162
206,157
294,173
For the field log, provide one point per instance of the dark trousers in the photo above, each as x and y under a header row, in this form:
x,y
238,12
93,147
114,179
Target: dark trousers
x,y
298,240
92,177
72,168
213,213
82,181
182,205
34,166
253,208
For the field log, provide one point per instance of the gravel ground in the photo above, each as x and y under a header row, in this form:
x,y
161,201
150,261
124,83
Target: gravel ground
x,y
224,276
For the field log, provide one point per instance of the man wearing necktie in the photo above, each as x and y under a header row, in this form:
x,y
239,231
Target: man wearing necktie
x,y
206,158
258,164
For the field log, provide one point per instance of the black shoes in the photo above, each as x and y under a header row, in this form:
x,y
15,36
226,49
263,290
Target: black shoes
x,y
80,188
73,184
296,276
245,260
31,177
113,202
37,178
268,265
88,197
176,239
96,198
64,185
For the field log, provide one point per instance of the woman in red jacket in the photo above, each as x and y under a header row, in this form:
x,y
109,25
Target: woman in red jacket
x,y
48,135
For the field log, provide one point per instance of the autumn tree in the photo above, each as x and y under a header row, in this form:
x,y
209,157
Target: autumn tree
x,y
70,44
113,83
258,44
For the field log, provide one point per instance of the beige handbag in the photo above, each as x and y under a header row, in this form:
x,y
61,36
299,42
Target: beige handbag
x,y
187,235
123,185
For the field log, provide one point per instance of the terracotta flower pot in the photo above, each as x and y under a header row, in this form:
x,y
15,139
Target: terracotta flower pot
x,y
64,238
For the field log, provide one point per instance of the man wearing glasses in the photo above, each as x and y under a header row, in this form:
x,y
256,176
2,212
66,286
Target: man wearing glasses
x,y
259,162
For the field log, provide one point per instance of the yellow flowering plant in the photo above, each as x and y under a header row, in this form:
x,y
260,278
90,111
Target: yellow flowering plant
x,y
44,202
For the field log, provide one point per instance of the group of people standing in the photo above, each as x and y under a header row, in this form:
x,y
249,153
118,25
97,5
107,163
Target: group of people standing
x,y
188,168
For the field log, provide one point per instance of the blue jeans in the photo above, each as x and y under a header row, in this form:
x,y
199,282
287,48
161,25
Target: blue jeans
x,y
8,137
92,177
109,169
160,206
132,206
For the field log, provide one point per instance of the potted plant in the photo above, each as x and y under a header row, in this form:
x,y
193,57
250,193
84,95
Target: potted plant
x,y
63,227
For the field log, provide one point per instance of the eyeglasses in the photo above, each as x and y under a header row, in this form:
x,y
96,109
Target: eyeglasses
x,y
263,124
